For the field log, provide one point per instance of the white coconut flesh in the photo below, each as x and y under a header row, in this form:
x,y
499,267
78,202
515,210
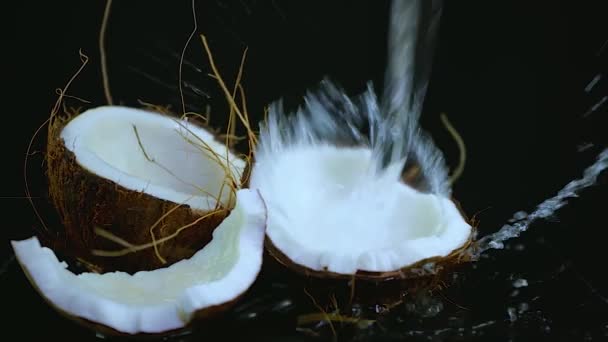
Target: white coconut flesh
x,y
329,210
163,299
164,157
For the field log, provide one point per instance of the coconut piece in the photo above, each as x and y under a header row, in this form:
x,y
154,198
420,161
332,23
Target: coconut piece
x,y
337,204
140,176
328,211
164,299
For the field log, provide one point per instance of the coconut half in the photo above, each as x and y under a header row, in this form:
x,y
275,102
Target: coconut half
x,y
164,299
139,176
337,204
148,152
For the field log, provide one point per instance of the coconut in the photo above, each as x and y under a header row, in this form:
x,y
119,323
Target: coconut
x,y
157,198
332,177
124,178
162,300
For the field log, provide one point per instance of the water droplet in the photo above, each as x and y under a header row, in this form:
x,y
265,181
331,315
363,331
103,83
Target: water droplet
x,y
512,314
482,325
520,283
496,245
584,146
283,305
379,309
592,83
546,209
520,215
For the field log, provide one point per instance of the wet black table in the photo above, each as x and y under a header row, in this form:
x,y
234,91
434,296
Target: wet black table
x,y
516,80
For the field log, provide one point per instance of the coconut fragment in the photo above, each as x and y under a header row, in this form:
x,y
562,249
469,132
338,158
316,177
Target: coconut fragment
x,y
164,299
122,177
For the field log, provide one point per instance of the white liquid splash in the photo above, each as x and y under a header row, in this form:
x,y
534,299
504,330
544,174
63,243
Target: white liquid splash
x,y
545,209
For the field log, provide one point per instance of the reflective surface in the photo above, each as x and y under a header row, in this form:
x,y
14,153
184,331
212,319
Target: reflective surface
x,y
517,83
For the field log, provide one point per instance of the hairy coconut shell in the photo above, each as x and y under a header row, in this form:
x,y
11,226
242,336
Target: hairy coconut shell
x,y
424,267
387,289
85,201
416,270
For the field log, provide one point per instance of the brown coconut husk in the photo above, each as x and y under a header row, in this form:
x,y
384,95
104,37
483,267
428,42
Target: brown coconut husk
x,y
107,227
89,205
413,271
381,289
387,289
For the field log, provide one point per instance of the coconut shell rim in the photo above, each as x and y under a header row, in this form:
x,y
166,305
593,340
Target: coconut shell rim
x,y
415,270
204,313
59,122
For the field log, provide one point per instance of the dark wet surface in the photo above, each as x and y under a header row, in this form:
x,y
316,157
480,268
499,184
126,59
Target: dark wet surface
x,y
516,81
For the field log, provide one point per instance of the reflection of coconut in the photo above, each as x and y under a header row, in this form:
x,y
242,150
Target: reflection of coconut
x,y
122,170
137,190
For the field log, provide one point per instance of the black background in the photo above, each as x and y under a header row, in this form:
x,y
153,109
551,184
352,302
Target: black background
x,y
510,76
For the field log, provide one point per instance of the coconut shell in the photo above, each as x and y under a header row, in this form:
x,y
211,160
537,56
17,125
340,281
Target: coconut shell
x,y
413,271
416,270
376,288
380,291
200,317
85,201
